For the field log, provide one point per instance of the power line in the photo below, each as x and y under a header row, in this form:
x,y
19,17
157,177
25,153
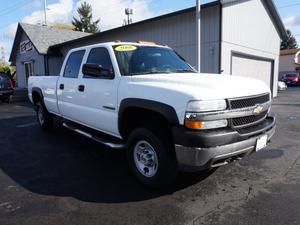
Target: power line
x,y
287,6
12,9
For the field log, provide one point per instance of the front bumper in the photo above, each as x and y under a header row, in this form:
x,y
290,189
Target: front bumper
x,y
203,150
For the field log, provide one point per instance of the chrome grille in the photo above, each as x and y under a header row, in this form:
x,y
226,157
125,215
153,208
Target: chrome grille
x,y
248,102
247,121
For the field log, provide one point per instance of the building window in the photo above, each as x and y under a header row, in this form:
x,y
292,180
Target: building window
x,y
29,70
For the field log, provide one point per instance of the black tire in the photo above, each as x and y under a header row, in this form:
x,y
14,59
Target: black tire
x,y
9,99
167,168
44,118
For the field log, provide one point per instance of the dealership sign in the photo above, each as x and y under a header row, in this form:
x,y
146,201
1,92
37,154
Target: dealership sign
x,y
297,58
25,46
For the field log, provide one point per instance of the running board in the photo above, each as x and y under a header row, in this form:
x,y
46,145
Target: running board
x,y
93,137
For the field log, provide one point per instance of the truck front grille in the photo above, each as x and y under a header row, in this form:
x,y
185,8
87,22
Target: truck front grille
x,y
248,102
247,121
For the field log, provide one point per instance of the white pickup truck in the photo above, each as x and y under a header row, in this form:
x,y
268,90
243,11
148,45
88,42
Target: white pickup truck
x,y
147,99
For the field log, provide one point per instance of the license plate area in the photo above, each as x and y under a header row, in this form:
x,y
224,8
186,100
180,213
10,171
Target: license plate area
x,y
261,142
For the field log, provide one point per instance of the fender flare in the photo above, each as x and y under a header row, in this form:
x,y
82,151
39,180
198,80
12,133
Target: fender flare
x,y
39,91
165,110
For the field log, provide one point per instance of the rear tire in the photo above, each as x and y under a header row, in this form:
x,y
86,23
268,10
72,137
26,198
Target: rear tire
x,y
151,158
44,118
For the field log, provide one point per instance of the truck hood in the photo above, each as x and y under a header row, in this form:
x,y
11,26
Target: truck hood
x,y
204,86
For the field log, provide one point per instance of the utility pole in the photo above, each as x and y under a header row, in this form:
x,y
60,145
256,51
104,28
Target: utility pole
x,y
45,12
128,12
198,34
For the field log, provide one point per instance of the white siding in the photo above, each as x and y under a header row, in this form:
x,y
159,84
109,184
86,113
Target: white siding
x,y
287,64
177,32
248,29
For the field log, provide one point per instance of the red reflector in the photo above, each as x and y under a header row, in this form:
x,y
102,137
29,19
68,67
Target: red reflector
x,y
11,84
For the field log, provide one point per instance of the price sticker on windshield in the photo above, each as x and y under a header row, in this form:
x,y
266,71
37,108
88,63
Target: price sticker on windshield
x,y
126,48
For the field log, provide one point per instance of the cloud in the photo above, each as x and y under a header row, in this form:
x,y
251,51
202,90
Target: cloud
x,y
112,14
57,13
10,31
292,21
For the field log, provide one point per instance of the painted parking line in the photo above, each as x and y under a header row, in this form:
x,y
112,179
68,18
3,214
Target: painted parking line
x,y
27,125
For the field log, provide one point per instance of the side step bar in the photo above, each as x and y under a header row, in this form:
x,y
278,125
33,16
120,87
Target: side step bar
x,y
93,137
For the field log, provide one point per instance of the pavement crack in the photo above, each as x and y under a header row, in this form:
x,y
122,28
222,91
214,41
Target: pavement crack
x,y
291,166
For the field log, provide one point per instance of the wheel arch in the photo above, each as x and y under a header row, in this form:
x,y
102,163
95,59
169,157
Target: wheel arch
x,y
143,107
37,95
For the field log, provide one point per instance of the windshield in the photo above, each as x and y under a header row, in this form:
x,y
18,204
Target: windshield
x,y
139,60
291,75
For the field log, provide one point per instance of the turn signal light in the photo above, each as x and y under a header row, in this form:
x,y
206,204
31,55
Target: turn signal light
x,y
193,124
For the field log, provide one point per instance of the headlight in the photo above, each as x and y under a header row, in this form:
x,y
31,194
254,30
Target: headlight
x,y
205,106
195,107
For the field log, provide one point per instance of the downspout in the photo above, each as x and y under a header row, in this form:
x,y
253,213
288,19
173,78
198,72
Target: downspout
x,y
198,34
46,65
220,35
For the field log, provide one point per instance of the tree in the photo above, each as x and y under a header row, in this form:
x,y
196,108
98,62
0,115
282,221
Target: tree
x,y
64,26
289,42
84,22
4,69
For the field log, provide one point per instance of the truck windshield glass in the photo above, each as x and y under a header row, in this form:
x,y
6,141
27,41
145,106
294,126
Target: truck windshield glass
x,y
140,60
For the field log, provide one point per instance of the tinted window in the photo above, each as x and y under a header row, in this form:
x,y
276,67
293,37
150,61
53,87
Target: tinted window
x,y
291,75
73,64
151,60
101,57
4,81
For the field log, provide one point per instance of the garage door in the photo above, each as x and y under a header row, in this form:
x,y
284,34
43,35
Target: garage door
x,y
253,67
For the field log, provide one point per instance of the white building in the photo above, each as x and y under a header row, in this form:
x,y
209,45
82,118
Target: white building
x,y
289,61
238,37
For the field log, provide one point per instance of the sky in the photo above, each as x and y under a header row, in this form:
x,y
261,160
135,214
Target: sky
x,y
111,13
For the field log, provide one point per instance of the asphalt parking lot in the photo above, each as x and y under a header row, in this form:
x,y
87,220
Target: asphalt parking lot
x,y
62,178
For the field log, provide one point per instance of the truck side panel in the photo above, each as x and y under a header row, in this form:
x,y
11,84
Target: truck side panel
x,y
47,84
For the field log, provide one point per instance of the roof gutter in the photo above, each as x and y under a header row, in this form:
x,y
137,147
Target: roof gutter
x,y
275,15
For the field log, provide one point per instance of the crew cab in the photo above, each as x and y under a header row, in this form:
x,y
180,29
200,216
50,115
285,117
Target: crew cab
x,y
146,99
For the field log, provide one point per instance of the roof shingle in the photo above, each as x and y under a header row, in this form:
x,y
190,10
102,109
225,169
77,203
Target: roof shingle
x,y
42,37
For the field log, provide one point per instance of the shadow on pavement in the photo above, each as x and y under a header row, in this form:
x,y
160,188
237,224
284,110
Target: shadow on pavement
x,y
61,163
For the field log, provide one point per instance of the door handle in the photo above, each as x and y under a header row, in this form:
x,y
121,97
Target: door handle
x,y
81,88
61,86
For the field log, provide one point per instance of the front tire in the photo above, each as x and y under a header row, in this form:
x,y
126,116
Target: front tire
x,y
151,158
44,118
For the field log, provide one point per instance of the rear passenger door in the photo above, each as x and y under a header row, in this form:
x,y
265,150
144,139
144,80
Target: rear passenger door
x,y
67,87
98,96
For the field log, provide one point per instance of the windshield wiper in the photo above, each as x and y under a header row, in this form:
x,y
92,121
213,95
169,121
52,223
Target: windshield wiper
x,y
149,72
185,71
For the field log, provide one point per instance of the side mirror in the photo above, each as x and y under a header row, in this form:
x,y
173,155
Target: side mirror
x,y
96,70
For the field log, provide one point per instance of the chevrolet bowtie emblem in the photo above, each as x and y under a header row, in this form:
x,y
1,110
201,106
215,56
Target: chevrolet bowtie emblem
x,y
258,109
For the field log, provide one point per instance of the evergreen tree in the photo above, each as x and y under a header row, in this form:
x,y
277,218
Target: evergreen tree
x,y
84,22
289,42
